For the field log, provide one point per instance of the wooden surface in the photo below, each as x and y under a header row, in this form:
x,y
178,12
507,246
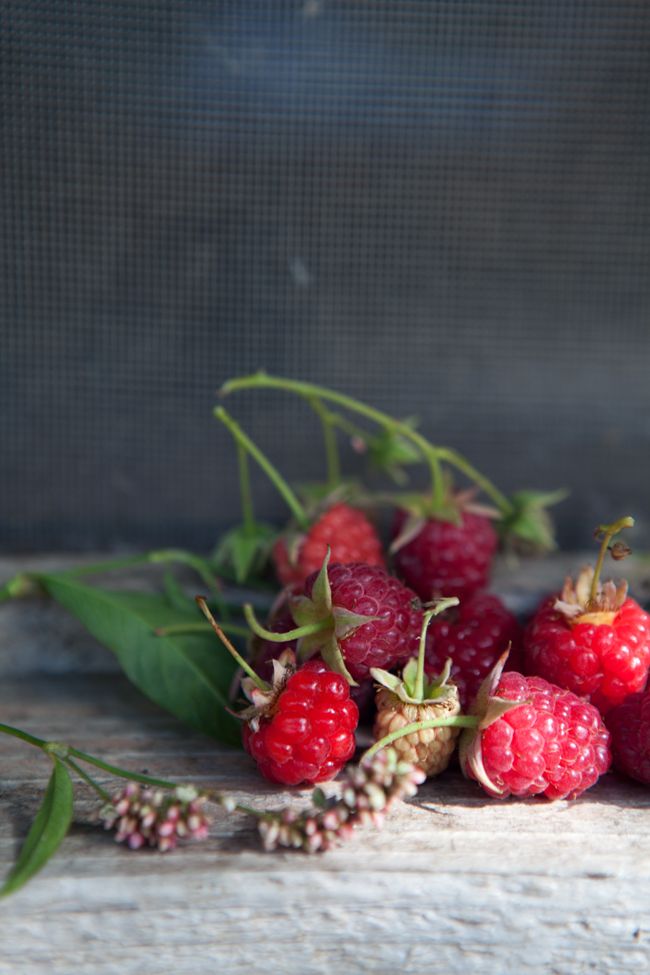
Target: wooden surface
x,y
455,883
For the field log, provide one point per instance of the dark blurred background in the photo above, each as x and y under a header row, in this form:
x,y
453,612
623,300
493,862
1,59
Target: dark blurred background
x,y
440,206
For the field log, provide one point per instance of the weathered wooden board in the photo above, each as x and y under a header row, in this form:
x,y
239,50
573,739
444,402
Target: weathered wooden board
x,y
455,883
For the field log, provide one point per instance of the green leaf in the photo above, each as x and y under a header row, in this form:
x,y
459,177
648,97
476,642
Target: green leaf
x,y
244,551
187,674
47,830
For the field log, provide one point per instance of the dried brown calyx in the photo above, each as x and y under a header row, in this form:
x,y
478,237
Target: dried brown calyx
x,y
578,606
588,600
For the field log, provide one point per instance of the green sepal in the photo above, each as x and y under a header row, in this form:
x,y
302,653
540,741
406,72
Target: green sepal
x,y
321,591
243,552
528,525
346,622
330,651
488,709
404,687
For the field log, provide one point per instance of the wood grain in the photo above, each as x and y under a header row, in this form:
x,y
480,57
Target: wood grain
x,y
455,883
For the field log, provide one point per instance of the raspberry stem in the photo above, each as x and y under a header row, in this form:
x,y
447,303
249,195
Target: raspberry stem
x,y
248,513
245,666
457,721
440,607
288,635
271,472
431,453
329,437
608,532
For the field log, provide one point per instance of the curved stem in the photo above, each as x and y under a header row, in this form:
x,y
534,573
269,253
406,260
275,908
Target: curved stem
x,y
7,729
248,514
608,532
271,472
331,444
121,773
440,607
88,779
288,635
459,721
245,666
428,450
456,460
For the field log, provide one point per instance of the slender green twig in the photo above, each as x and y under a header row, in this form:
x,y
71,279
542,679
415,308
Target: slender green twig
x,y
271,472
428,450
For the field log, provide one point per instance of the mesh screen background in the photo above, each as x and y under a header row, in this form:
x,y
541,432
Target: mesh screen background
x,y
439,206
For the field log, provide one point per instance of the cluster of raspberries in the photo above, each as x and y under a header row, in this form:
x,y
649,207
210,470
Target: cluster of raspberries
x,y
542,720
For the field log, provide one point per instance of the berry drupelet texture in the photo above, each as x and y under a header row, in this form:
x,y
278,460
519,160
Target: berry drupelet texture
x,y
445,558
386,640
604,661
473,635
629,725
347,532
554,744
307,733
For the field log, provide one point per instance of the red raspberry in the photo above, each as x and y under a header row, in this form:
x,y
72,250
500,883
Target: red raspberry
x,y
347,532
473,635
264,652
307,734
446,558
604,661
629,725
553,744
368,590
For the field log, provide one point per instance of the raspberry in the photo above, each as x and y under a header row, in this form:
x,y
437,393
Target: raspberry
x,y
444,558
473,636
359,591
592,639
345,530
406,704
300,727
264,652
306,733
629,725
603,656
430,748
552,744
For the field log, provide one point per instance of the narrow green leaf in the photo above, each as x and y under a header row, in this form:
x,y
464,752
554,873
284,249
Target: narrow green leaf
x,y
187,674
47,831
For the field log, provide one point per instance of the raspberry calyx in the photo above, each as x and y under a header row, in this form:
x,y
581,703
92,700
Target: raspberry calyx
x,y
320,625
587,600
487,708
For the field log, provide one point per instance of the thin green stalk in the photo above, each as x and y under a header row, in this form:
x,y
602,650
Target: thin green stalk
x,y
88,779
244,664
418,692
120,772
608,532
67,753
271,472
248,513
459,721
455,459
261,380
7,729
288,635
332,458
